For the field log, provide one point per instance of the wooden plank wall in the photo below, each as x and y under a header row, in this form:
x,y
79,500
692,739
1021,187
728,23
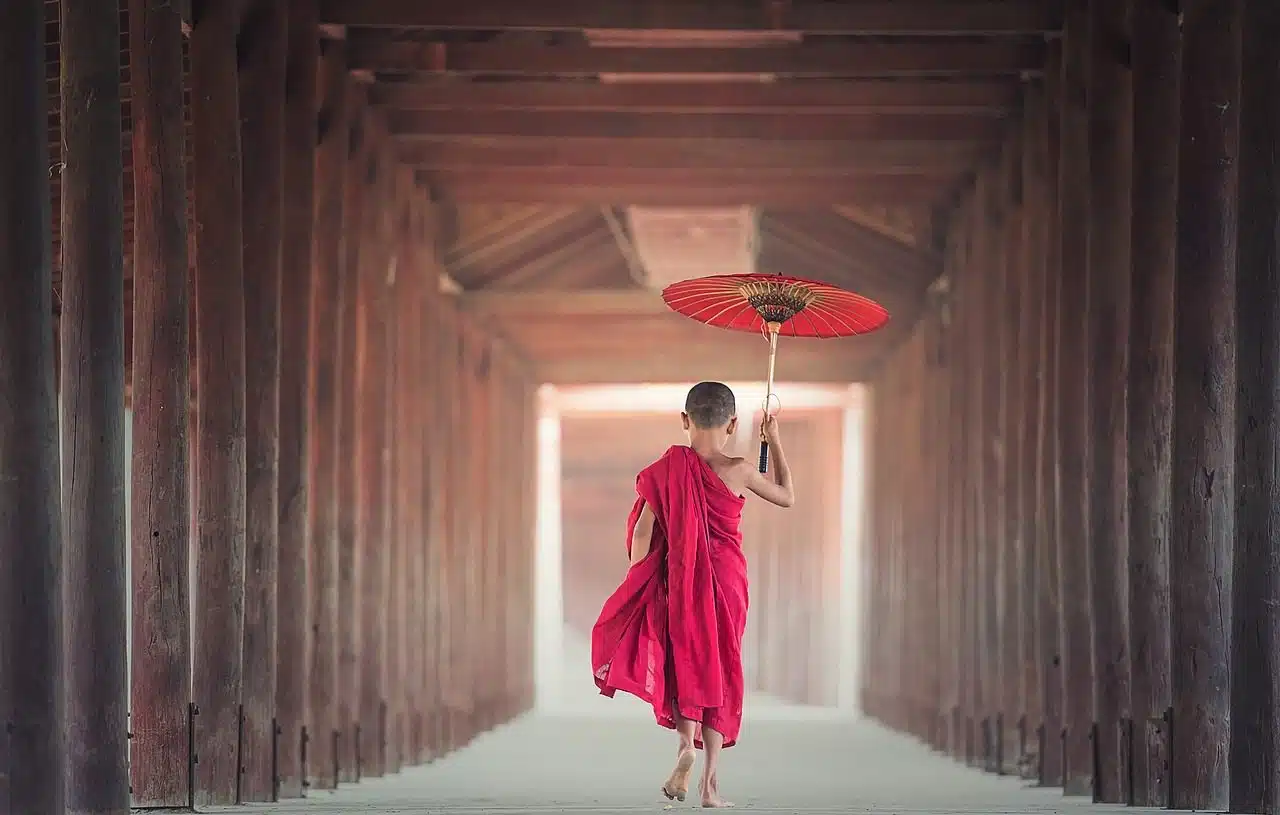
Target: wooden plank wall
x,y
1100,421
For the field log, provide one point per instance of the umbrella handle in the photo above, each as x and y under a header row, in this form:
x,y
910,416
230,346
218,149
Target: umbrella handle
x,y
774,328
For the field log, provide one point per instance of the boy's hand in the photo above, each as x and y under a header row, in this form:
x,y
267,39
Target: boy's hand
x,y
771,430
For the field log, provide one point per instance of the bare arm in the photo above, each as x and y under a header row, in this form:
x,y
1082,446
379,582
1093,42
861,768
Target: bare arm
x,y
642,535
777,490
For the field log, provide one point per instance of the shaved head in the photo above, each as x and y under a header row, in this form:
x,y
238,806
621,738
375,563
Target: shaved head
x,y
710,405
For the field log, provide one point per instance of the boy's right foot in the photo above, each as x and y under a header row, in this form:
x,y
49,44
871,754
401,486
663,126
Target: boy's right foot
x,y
711,796
677,786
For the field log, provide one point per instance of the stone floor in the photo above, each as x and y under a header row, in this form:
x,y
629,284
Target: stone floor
x,y
613,759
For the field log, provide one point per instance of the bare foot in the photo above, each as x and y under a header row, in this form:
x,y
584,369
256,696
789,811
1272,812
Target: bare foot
x,y
677,786
711,795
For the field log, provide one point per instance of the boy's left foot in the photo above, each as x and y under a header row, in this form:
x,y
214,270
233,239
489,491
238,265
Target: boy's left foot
x,y
677,786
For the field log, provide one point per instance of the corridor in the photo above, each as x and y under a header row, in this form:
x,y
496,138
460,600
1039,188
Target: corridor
x,y
613,759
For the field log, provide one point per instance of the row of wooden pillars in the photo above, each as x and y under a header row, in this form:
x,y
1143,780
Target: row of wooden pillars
x,y
332,509
1073,554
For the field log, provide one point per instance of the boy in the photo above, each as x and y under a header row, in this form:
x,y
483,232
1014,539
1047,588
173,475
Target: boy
x,y
672,632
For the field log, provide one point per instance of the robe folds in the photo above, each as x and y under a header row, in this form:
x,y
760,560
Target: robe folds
x,y
672,632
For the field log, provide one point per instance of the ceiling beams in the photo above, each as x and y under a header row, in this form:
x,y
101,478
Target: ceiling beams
x,y
837,59
873,17
818,97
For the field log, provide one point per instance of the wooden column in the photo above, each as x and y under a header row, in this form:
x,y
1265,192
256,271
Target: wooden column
x,y
32,757
1155,50
297,284
372,378
1048,572
1032,371
397,272
1006,458
1075,392
160,698
92,379
1255,637
359,244
1203,496
326,306
436,402
263,49
448,584
220,399
953,631
1110,190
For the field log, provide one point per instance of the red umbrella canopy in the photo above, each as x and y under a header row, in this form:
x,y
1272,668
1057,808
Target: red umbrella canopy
x,y
750,302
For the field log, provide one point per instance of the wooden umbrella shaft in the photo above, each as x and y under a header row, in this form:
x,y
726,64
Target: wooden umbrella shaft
x,y
774,328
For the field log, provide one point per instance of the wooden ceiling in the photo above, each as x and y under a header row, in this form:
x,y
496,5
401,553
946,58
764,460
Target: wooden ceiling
x,y
850,127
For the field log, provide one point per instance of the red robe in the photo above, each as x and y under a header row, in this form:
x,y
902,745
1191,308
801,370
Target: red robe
x,y
673,629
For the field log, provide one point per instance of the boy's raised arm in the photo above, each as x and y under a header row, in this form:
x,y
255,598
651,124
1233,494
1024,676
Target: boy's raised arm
x,y
777,490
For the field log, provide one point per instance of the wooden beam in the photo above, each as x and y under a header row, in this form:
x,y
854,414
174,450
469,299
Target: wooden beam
x,y
879,17
635,265
821,97
813,193
873,59
159,709
853,127
870,158
619,301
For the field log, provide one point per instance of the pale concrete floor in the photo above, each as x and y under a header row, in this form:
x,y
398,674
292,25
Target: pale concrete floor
x,y
790,760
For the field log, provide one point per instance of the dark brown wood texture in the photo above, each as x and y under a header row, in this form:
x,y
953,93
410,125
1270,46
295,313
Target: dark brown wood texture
x,y
323,722
161,508
1202,532
297,280
220,400
92,414
33,757
263,49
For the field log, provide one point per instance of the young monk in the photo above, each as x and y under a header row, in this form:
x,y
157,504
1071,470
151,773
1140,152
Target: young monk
x,y
672,632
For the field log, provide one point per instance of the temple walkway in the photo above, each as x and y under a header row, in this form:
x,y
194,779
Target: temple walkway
x,y
612,760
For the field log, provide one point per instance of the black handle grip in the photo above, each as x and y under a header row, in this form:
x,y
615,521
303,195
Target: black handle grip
x,y
764,456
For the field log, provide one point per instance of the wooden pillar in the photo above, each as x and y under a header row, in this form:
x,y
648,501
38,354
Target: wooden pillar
x,y
1204,423
220,400
1110,190
1048,461
160,718
326,306
1032,371
1155,50
953,623
297,284
359,244
263,49
32,757
372,378
449,495
435,448
1255,638
92,391
1075,391
1006,458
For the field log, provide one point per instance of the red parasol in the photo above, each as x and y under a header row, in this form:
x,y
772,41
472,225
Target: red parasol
x,y
775,305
